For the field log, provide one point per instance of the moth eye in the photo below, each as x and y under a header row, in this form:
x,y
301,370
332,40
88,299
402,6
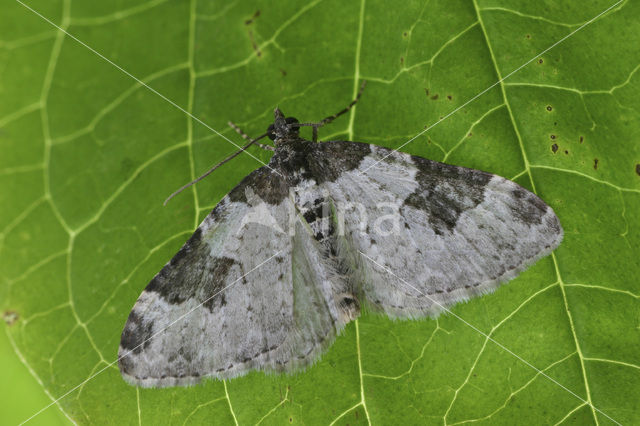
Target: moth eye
x,y
348,301
350,307
271,133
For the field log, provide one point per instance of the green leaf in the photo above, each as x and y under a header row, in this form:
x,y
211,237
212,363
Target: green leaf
x,y
89,154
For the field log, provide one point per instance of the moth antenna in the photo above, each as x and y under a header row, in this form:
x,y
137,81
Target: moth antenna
x,y
247,138
208,172
334,116
348,107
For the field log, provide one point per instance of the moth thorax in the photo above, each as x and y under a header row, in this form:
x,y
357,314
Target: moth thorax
x,y
283,128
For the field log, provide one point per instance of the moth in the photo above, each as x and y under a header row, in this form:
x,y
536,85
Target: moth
x,y
302,245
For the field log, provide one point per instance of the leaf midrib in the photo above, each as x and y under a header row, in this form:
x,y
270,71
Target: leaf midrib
x,y
528,171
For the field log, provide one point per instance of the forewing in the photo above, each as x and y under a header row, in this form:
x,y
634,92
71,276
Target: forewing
x,y
449,232
225,304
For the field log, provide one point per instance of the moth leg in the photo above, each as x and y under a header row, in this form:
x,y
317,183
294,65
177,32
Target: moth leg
x,y
334,116
245,137
314,126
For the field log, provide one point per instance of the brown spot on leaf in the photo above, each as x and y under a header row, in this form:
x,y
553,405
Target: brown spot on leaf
x,y
10,317
553,136
250,20
554,148
549,108
581,139
434,97
528,36
426,91
449,97
595,164
401,60
638,169
566,151
255,46
283,72
540,61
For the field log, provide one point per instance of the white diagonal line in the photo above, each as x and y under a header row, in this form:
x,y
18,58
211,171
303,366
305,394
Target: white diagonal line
x,y
151,337
495,84
142,83
537,370
258,266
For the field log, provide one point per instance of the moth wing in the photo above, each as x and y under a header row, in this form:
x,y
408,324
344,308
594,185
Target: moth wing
x,y
451,232
225,305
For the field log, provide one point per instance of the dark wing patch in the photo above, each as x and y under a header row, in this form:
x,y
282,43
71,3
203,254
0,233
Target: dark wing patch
x,y
266,183
529,208
445,192
136,333
192,273
330,159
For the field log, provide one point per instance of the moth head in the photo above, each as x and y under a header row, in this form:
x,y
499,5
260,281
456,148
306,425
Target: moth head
x,y
283,128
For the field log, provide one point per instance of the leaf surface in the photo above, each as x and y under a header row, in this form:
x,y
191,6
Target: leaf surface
x,y
89,154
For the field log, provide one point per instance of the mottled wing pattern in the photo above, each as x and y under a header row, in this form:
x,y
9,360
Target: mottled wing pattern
x,y
208,314
278,268
457,232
